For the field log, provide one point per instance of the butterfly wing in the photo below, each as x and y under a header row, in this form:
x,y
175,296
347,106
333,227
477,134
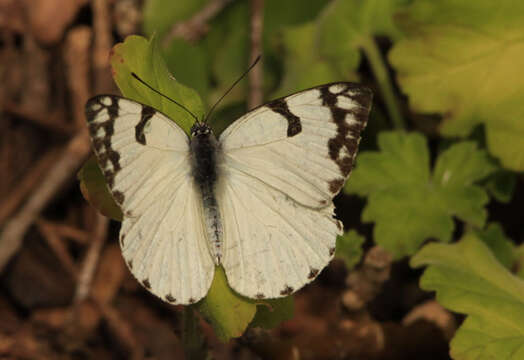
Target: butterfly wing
x,y
146,161
282,164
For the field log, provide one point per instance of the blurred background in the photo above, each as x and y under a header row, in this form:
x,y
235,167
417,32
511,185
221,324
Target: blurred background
x,y
65,292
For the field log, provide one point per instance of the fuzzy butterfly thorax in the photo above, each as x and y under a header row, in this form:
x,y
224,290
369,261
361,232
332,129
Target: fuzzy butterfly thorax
x,y
203,153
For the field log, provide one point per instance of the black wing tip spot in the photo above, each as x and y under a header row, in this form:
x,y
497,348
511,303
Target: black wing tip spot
x,y
332,251
363,95
91,112
356,88
294,127
191,300
170,298
288,290
346,163
130,264
118,196
335,185
97,100
312,273
114,157
348,133
146,284
148,110
147,113
97,144
260,296
102,143
110,178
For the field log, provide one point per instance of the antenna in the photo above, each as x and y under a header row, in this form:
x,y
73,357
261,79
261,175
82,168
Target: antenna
x,y
232,86
167,97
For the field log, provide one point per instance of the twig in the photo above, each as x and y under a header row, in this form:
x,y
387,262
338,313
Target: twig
x,y
107,274
69,232
92,302
76,56
57,245
122,331
27,184
381,74
102,46
192,337
91,259
72,157
36,86
53,121
366,282
77,46
194,28
255,76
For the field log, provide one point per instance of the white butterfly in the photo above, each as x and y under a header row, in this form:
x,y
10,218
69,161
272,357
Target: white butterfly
x,y
257,201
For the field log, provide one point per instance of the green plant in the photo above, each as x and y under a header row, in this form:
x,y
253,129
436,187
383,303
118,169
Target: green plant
x,y
459,61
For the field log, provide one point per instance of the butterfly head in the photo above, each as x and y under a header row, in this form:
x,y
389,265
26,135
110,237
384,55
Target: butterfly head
x,y
200,129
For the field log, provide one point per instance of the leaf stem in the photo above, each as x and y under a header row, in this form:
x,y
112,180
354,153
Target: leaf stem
x,y
372,52
192,339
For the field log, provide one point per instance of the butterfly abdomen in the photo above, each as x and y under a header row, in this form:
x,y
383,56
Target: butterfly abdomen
x,y
204,169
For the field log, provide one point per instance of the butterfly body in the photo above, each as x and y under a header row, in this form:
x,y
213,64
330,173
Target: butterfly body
x,y
257,200
204,154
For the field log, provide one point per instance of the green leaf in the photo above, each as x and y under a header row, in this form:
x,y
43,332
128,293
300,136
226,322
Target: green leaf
x,y
505,129
160,15
501,185
272,312
304,68
468,279
228,312
94,189
346,25
349,248
407,202
137,54
229,42
190,63
461,165
458,58
519,261
501,246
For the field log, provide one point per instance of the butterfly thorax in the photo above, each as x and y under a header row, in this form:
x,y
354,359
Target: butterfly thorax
x,y
204,148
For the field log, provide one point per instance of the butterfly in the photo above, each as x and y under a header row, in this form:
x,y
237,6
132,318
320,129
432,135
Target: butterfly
x,y
257,200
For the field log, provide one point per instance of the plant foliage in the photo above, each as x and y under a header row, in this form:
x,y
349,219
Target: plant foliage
x,y
456,144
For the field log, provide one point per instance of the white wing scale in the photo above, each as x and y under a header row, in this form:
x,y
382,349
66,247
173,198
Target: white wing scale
x,y
145,159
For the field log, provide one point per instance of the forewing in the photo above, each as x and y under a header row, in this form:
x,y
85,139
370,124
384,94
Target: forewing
x,y
273,246
145,159
303,145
